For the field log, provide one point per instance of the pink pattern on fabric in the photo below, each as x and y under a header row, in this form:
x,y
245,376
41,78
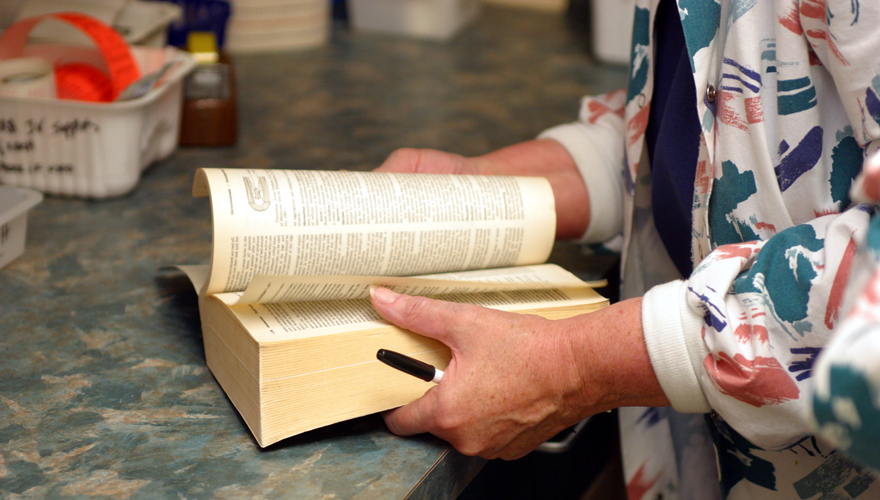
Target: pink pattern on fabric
x,y
838,288
637,487
638,124
747,332
815,9
727,113
754,111
826,211
823,35
745,251
765,225
613,102
703,178
757,382
791,21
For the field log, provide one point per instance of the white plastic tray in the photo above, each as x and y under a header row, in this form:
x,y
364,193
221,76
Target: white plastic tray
x,y
14,205
92,150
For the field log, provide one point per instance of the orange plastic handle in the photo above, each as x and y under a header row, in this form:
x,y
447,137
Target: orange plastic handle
x,y
113,48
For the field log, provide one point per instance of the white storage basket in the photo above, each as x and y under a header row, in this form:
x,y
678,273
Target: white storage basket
x,y
14,206
88,149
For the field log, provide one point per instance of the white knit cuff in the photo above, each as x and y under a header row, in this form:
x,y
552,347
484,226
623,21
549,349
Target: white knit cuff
x,y
673,337
600,169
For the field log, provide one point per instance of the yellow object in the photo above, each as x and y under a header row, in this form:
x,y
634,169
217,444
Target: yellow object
x,y
203,46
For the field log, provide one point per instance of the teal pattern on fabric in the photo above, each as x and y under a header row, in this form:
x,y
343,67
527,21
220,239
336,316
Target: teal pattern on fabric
x,y
872,241
737,459
850,386
731,189
785,274
700,19
837,478
846,162
739,8
795,95
639,65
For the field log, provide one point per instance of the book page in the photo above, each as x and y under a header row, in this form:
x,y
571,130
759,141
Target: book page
x,y
299,222
198,275
263,289
271,322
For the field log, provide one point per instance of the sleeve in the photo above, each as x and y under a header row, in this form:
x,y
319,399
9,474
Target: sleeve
x,y
596,143
740,335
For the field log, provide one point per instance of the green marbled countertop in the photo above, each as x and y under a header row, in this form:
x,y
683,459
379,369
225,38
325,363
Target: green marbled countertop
x,y
104,391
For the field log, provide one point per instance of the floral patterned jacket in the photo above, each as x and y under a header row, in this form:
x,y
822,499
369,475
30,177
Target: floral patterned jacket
x,y
789,101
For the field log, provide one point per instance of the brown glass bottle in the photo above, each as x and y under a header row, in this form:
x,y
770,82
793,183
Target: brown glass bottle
x,y
209,116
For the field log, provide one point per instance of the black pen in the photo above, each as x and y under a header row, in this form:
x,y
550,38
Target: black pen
x,y
409,365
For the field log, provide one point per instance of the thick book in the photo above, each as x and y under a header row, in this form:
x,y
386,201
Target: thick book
x,y
288,327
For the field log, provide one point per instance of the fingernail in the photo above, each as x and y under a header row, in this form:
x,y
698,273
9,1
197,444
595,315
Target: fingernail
x,y
382,295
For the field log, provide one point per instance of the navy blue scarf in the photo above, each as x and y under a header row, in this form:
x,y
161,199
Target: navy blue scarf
x,y
672,137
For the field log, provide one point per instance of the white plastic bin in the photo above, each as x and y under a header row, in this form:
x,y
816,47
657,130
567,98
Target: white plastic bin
x,y
88,149
434,19
14,206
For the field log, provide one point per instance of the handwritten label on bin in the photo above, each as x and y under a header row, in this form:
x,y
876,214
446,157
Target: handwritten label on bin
x,y
22,140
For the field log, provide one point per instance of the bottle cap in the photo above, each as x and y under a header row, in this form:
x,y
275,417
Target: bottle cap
x,y
203,46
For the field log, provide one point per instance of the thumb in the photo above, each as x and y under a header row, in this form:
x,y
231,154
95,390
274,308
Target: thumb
x,y
415,418
421,315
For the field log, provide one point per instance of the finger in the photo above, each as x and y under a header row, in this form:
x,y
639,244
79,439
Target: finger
x,y
414,418
401,160
432,318
427,161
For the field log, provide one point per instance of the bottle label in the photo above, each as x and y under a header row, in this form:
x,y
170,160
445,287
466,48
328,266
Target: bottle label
x,y
208,81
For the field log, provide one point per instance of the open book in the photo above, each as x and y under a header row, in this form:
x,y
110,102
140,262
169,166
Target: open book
x,y
288,327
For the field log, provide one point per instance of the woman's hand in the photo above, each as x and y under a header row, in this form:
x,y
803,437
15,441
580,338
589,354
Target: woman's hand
x,y
516,380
